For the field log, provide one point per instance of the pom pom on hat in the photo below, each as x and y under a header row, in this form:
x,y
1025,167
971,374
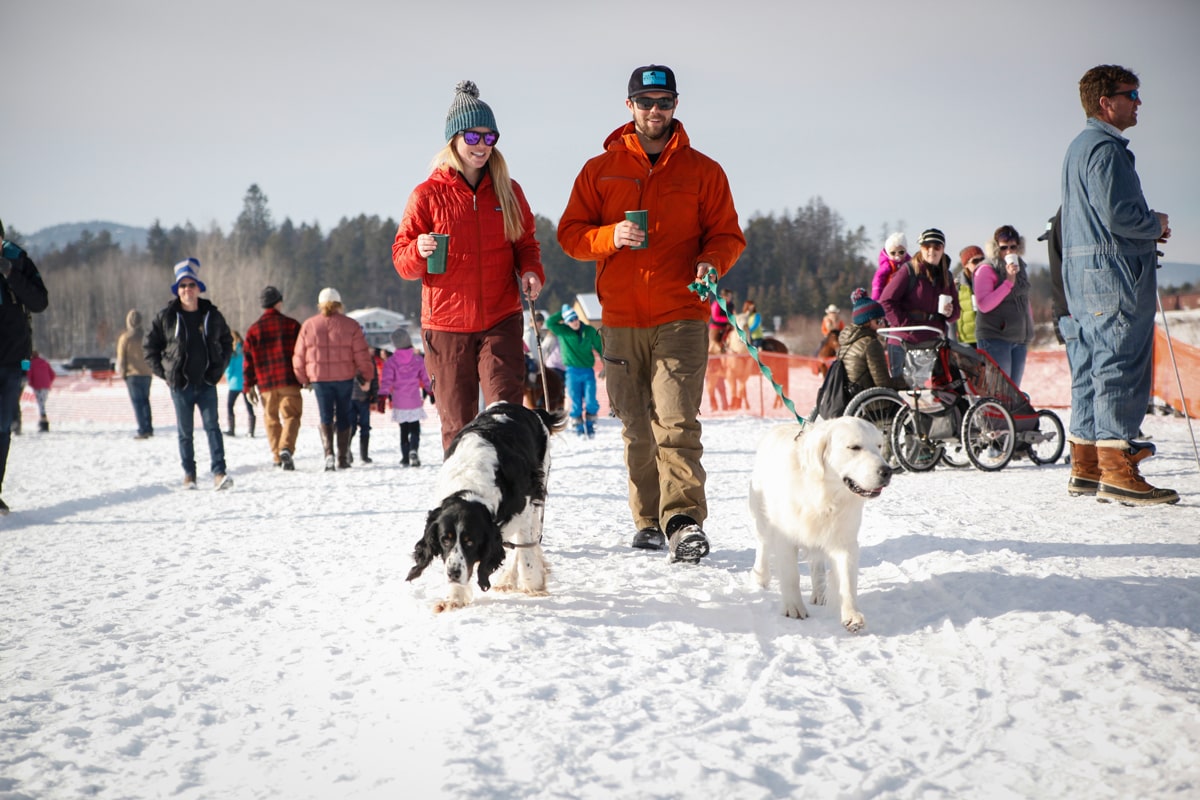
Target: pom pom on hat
x,y
568,313
401,339
270,296
328,295
188,268
864,309
468,111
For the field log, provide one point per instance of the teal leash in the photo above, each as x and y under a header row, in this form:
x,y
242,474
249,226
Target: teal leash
x,y
707,290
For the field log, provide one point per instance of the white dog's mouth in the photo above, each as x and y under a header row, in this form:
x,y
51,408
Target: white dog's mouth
x,y
860,491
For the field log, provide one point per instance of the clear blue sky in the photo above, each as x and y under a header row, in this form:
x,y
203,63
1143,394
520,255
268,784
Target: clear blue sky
x,y
945,114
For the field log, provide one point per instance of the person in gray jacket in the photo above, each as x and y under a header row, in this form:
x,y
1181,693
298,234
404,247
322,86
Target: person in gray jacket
x,y
1004,319
1109,234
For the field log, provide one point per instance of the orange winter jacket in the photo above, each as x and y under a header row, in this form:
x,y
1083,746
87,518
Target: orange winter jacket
x,y
479,287
691,220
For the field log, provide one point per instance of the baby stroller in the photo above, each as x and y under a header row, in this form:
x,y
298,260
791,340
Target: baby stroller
x,y
951,416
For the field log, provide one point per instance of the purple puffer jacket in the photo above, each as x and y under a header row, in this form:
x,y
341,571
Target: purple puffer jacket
x,y
403,378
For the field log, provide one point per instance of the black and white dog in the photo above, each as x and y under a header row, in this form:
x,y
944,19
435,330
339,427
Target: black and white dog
x,y
493,489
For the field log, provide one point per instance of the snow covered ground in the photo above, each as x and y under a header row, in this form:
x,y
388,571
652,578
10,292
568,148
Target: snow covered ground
x,y
262,642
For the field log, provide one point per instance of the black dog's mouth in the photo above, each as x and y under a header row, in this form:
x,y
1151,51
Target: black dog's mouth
x,y
860,491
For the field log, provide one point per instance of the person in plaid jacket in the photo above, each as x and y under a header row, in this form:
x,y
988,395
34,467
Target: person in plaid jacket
x,y
267,370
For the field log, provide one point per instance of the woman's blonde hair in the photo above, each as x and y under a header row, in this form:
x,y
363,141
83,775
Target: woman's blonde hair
x,y
514,226
330,308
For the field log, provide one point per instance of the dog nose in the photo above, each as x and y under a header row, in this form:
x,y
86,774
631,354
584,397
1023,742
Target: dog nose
x,y
453,573
886,472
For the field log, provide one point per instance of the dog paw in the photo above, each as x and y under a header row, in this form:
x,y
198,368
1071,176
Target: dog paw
x,y
818,599
855,623
797,611
447,605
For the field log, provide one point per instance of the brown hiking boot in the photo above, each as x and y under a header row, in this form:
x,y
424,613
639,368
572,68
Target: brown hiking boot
x,y
1121,482
327,444
1085,470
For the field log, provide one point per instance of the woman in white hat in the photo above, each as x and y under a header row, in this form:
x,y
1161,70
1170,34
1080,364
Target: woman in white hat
x,y
331,354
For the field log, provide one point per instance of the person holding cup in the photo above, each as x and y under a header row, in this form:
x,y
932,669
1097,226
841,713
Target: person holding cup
x,y
1004,320
655,344
468,235
922,294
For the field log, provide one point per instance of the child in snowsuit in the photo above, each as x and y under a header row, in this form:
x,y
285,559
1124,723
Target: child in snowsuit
x,y
404,377
578,341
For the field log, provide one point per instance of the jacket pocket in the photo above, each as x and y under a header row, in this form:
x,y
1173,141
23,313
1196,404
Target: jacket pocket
x,y
1101,291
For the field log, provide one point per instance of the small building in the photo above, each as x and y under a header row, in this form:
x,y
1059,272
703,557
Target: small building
x,y
587,306
378,324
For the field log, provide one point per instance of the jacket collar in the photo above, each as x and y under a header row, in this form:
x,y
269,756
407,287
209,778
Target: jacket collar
x,y
1106,128
625,138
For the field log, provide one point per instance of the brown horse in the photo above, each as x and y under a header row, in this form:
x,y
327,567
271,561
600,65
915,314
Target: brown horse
x,y
826,353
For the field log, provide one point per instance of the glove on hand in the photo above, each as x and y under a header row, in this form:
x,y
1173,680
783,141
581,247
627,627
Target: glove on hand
x,y
251,395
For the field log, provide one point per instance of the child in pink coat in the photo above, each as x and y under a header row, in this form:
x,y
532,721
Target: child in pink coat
x,y
403,378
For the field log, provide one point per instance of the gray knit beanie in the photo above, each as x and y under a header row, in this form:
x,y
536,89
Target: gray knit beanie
x,y
468,111
401,340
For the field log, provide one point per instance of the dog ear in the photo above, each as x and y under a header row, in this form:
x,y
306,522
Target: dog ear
x,y
814,446
429,547
491,556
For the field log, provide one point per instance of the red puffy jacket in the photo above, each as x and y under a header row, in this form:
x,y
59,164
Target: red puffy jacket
x,y
691,218
479,286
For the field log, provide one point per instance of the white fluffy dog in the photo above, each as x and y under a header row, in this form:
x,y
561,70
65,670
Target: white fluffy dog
x,y
807,494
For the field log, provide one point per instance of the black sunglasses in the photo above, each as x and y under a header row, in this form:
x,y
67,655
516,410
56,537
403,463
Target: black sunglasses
x,y
647,103
1132,94
473,137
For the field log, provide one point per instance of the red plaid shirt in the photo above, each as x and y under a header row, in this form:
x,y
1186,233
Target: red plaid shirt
x,y
268,352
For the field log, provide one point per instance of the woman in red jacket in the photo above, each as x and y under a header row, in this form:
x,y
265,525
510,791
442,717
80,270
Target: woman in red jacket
x,y
471,313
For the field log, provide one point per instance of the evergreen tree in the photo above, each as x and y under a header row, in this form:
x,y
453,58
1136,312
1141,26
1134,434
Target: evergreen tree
x,y
253,227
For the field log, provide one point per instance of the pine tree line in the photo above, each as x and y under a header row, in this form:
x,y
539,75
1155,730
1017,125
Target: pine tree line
x,y
793,266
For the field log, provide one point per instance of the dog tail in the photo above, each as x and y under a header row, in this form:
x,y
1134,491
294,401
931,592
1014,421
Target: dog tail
x,y
554,421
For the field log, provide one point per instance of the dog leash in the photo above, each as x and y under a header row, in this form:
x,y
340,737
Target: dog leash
x,y
537,338
706,288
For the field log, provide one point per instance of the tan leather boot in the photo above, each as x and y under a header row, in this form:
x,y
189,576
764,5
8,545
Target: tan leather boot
x,y
1121,482
1085,469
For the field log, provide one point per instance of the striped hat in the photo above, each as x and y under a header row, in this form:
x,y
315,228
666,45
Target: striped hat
x,y
865,309
188,268
468,111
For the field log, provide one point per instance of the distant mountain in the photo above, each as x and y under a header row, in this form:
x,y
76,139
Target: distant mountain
x,y
1171,274
59,236
1174,273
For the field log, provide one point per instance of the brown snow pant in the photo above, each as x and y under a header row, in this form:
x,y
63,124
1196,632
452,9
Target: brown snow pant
x,y
282,408
463,364
655,380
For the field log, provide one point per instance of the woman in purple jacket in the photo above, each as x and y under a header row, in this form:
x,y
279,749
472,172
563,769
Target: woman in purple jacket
x,y
911,297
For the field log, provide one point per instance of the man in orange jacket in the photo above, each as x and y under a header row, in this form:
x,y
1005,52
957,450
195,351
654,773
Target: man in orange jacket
x,y
655,343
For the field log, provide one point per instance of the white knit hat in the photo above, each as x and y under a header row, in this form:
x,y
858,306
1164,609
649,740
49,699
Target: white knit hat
x,y
328,295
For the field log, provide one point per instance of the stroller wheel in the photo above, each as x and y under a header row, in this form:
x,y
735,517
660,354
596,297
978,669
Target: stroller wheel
x,y
1046,443
988,434
911,444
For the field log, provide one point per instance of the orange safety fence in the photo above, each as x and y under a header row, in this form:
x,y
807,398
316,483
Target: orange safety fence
x,y
1187,359
734,385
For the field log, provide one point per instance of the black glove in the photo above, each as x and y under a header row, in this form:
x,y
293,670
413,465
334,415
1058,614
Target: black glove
x,y
1058,332
5,267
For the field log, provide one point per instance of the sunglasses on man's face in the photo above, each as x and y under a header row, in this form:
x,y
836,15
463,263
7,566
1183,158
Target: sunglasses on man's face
x,y
1005,248
1132,94
188,285
473,137
647,103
